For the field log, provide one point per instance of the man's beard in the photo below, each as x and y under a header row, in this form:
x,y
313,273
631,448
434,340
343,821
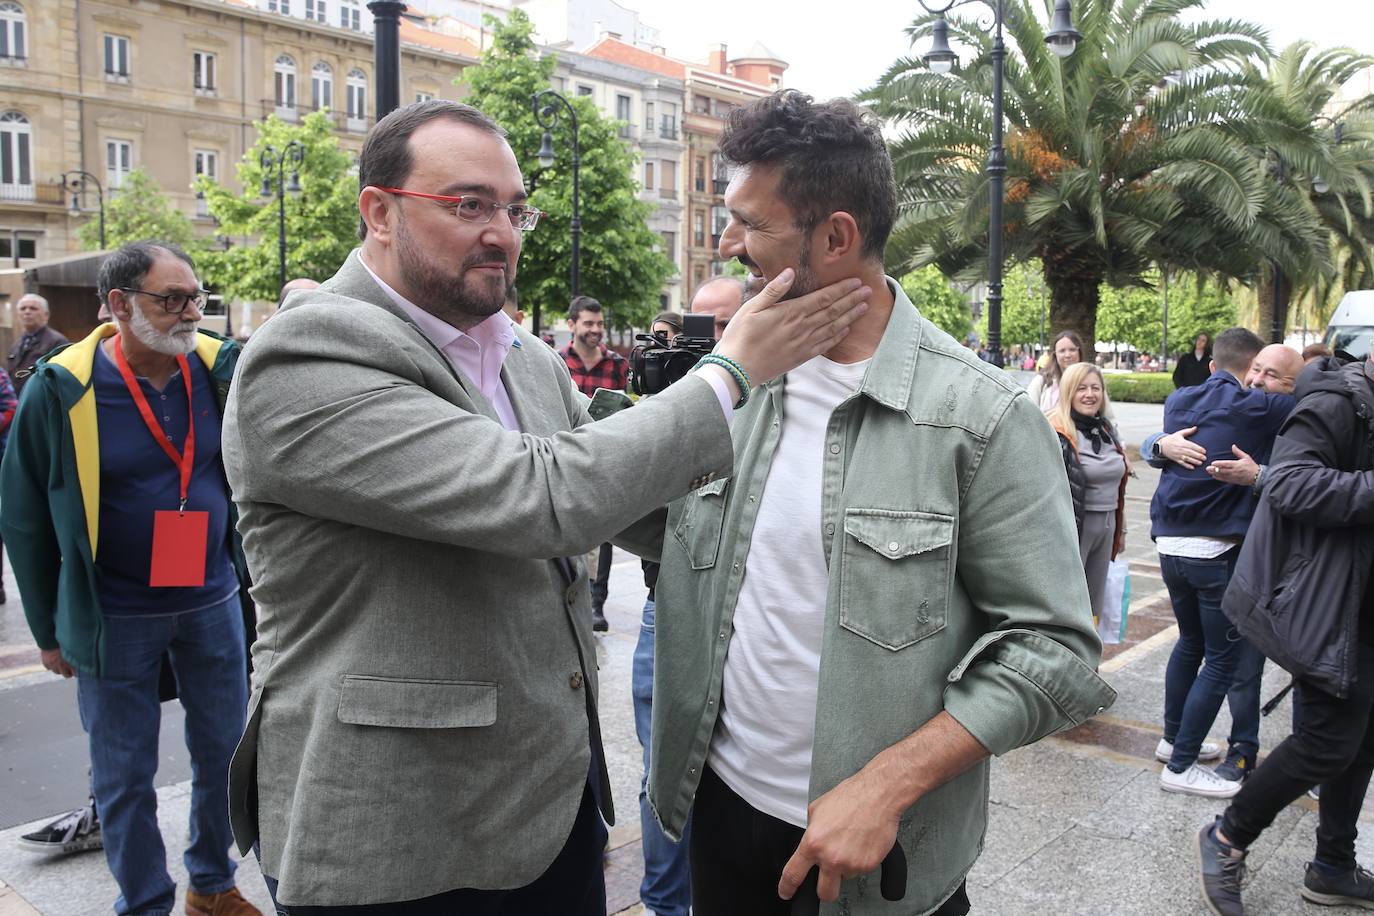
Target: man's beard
x,y
449,298
176,342
804,282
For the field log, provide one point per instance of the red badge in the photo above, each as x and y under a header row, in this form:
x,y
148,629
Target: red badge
x,y
178,549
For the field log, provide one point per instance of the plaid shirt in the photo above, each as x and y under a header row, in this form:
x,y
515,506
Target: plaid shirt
x,y
611,372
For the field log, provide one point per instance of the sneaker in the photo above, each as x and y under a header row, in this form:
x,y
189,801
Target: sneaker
x,y
225,903
76,831
1197,780
1236,767
1164,750
1222,870
1354,888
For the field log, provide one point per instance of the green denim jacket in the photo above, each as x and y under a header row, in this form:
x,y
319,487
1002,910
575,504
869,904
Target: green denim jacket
x,y
955,584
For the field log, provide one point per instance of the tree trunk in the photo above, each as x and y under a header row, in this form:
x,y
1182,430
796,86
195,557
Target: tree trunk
x,y
1264,291
1073,307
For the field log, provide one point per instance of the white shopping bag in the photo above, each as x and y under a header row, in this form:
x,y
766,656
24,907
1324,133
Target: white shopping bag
x,y
1111,618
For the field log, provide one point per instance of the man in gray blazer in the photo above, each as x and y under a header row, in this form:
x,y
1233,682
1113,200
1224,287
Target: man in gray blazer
x,y
411,470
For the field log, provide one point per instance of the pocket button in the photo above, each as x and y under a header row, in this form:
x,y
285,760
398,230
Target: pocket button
x,y
575,682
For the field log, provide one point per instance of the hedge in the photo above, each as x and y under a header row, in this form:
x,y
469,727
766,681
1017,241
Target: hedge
x,y
1139,387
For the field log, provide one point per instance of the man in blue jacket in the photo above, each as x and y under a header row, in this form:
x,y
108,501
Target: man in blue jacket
x,y
1198,523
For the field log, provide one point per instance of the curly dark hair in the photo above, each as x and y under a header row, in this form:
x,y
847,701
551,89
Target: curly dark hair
x,y
832,157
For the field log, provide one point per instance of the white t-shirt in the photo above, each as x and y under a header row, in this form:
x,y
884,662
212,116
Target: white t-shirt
x,y
762,744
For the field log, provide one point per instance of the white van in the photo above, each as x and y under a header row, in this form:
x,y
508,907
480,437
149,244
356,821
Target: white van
x,y
1352,324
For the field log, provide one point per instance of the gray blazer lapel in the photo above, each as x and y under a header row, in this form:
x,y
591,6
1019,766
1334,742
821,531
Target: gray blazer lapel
x,y
538,404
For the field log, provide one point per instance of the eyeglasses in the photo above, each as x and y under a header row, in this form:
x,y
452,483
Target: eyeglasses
x,y
474,209
174,303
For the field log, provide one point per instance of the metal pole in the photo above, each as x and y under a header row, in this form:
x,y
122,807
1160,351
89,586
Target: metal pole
x,y
576,215
1164,344
386,31
281,225
547,104
997,169
77,181
100,202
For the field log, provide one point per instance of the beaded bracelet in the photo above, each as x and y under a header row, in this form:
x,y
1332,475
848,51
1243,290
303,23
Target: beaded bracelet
x,y
736,372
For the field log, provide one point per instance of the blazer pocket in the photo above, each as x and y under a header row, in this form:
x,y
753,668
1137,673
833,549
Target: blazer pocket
x,y
895,569
394,702
698,531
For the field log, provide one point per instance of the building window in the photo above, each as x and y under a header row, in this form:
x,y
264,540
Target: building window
x,y
699,173
116,57
16,152
720,174
648,176
357,100
668,128
321,86
648,117
424,96
699,229
701,104
119,156
622,108
667,180
720,218
284,71
314,9
13,43
583,89
669,243
204,71
350,15
205,163
27,251
279,6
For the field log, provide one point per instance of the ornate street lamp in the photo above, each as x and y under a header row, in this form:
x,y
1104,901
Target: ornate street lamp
x,y
549,108
1062,39
271,159
77,182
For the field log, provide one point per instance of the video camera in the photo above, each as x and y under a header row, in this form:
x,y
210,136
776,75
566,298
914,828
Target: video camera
x,y
655,363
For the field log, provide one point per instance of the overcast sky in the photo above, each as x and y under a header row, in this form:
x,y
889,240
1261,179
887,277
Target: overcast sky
x,y
845,46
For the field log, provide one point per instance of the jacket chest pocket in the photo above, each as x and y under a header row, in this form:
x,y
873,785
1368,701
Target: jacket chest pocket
x,y
895,573
698,530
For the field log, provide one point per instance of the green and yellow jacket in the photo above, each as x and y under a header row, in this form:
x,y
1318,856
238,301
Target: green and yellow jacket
x,y
50,481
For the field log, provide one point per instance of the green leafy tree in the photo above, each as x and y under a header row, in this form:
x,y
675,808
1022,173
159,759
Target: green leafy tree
x,y
138,210
1024,308
622,263
321,220
1136,150
1135,315
939,301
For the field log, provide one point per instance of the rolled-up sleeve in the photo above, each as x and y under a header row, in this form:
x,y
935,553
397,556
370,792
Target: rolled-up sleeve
x,y
1032,674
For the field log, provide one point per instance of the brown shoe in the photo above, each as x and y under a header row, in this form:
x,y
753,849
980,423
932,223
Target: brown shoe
x,y
225,903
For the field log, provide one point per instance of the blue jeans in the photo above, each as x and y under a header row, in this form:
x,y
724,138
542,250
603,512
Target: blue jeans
x,y
667,886
1244,700
122,717
1192,698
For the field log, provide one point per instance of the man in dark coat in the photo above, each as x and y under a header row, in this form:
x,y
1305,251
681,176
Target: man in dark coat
x,y
1301,594
36,340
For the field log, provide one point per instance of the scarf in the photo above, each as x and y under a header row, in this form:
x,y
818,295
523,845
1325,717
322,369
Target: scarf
x,y
1095,428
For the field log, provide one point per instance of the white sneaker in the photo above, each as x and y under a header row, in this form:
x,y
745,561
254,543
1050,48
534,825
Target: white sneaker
x,y
1197,780
1164,750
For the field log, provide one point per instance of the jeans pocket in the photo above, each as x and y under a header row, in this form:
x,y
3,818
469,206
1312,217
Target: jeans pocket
x,y
896,571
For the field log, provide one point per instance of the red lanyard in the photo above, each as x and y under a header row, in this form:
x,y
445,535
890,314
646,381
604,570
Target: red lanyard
x,y
187,459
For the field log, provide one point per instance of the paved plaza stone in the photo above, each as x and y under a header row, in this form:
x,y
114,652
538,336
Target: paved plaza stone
x,y
1078,822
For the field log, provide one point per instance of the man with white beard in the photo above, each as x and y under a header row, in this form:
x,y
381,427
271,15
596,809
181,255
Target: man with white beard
x,y
122,538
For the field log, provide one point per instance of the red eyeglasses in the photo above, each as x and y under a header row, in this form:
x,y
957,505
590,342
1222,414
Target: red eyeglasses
x,y
473,208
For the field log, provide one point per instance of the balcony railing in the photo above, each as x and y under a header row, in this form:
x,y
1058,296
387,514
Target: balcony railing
x,y
668,129
50,193
341,119
718,185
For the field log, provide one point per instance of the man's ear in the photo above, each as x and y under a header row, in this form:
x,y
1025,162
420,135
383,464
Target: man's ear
x,y
120,305
838,237
1211,365
376,209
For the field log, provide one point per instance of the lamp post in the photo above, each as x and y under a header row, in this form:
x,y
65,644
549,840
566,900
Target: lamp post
x,y
273,159
78,181
1062,39
549,108
386,37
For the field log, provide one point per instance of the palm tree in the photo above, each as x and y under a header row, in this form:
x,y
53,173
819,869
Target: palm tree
x,y
1326,146
1135,152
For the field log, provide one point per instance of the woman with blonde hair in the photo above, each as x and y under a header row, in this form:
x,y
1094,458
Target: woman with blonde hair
x,y
1097,469
1066,350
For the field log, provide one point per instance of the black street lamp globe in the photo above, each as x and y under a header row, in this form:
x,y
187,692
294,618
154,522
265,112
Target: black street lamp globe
x,y
550,108
1062,39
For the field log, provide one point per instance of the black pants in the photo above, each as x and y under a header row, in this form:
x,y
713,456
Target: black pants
x,y
573,884
1333,748
601,583
738,854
